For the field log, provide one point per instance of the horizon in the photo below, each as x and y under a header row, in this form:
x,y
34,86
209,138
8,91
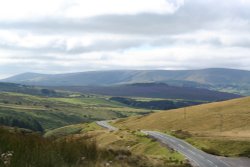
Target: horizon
x,y
78,35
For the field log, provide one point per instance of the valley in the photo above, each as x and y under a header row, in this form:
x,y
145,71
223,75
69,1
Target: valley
x,y
125,83
212,121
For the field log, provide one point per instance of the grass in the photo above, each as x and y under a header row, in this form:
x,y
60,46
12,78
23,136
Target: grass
x,y
126,140
33,150
58,112
71,129
219,146
20,149
223,127
139,144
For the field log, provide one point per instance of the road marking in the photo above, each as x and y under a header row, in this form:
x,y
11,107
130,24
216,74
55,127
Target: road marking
x,y
222,161
181,146
210,162
192,152
191,159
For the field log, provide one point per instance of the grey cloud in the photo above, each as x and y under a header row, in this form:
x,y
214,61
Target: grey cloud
x,y
194,15
101,45
60,48
141,30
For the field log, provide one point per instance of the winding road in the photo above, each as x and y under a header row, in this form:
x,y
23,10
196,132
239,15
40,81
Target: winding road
x,y
106,125
197,157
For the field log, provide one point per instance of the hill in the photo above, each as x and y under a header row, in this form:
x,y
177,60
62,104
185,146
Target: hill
x,y
206,118
32,90
220,128
229,80
155,90
21,148
29,111
205,76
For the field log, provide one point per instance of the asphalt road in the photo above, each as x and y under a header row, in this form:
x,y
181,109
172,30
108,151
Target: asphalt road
x,y
106,125
197,157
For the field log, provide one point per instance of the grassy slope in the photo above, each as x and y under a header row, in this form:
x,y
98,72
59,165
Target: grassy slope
x,y
223,126
58,112
132,141
19,149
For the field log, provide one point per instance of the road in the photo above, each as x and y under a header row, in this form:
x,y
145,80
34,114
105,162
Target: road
x,y
106,125
197,157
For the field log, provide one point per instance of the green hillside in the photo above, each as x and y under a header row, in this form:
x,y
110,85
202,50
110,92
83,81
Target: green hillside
x,y
32,90
57,112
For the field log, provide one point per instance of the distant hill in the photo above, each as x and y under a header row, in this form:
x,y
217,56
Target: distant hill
x,y
227,80
154,90
32,90
205,76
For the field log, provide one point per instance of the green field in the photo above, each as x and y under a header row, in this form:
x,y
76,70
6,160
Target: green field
x,y
57,112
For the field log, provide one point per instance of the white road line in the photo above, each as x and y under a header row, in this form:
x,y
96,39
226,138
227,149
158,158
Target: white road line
x,y
210,162
222,161
191,159
192,152
181,146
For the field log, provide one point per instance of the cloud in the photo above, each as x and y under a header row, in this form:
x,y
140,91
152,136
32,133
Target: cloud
x,y
66,36
14,9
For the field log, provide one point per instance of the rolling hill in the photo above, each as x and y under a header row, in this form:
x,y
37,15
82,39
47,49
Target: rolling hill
x,y
228,80
29,111
205,76
32,90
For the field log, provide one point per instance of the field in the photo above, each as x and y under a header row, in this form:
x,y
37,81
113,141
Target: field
x,y
222,127
57,112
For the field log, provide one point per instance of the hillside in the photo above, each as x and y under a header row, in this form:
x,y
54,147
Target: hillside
x,y
220,128
221,118
29,111
154,90
32,90
21,148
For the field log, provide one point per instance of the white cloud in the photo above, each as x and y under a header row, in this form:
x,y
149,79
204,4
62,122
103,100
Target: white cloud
x,y
65,36
97,7
16,9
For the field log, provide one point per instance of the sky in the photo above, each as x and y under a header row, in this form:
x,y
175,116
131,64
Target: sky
x,y
61,36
